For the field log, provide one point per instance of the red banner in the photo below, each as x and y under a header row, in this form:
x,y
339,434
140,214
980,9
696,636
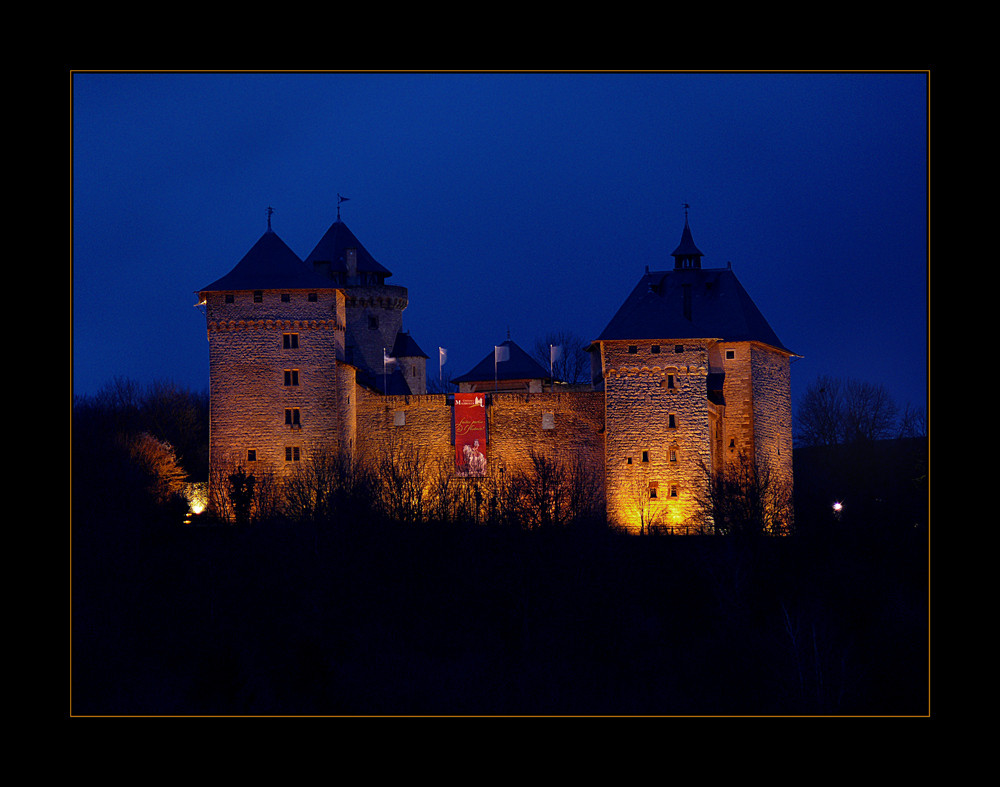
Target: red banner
x,y
470,434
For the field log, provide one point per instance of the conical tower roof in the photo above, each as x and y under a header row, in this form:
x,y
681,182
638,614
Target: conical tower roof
x,y
335,242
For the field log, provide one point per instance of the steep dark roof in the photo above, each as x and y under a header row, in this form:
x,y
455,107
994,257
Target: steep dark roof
x,y
405,347
719,309
686,247
331,249
520,366
269,265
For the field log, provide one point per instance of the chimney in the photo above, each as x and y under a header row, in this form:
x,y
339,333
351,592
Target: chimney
x,y
351,258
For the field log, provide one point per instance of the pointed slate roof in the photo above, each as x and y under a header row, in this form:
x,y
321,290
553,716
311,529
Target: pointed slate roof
x,y
520,366
331,249
269,265
719,307
405,347
686,247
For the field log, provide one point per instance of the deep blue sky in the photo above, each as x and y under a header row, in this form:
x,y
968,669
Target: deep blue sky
x,y
524,201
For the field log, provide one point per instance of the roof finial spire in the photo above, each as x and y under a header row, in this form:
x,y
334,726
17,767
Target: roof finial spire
x,y
339,200
686,207
270,211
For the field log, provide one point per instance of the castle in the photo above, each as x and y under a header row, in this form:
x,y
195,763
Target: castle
x,y
309,356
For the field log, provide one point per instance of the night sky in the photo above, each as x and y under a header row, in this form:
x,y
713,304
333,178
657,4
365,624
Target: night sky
x,y
521,202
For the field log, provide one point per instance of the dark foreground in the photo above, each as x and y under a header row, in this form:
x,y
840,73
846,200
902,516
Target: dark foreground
x,y
295,620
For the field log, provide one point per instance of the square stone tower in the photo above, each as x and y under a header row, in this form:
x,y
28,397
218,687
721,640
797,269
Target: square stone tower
x,y
278,384
695,380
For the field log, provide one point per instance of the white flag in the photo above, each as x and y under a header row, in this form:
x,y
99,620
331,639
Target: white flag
x,y
555,352
442,355
387,359
501,353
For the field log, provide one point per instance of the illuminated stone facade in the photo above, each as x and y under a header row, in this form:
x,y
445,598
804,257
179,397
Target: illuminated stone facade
x,y
688,377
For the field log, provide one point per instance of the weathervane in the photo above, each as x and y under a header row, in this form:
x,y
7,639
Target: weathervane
x,y
339,200
270,211
685,206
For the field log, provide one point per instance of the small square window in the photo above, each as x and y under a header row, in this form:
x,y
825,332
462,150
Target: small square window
x,y
632,349
628,460
258,296
230,298
655,349
678,348
312,297
730,355
291,453
285,297
290,341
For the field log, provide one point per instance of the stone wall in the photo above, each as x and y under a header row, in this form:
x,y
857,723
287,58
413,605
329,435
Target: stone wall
x,y
273,367
567,427
658,431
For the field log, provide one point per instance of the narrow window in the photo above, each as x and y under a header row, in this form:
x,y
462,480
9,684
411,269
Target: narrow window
x,y
251,455
290,341
671,421
670,381
285,297
291,376
673,455
645,456
652,490
628,460
292,416
258,296
673,491
291,453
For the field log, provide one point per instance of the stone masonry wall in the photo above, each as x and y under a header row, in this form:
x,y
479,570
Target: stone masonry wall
x,y
657,431
566,427
772,410
266,358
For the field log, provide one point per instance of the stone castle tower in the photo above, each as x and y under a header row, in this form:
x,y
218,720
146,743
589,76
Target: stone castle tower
x,y
289,341
693,377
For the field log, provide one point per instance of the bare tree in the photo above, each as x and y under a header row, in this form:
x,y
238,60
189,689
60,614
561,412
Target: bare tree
x,y
819,418
869,412
747,499
572,364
